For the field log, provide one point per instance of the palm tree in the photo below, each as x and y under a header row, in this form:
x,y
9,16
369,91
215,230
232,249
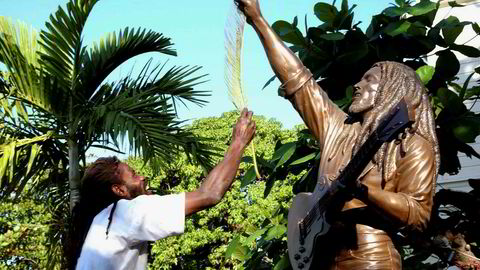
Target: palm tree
x,y
56,105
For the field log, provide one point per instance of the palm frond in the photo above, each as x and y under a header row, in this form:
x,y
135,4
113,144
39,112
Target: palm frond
x,y
234,29
147,121
112,51
4,87
62,42
24,158
27,147
19,51
24,37
233,59
141,111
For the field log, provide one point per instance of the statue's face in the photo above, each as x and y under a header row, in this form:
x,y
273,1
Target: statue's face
x,y
365,91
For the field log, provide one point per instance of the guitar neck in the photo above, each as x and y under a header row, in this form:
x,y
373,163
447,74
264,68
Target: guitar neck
x,y
396,121
361,159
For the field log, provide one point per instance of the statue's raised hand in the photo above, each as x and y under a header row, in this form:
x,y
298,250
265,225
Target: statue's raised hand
x,y
250,8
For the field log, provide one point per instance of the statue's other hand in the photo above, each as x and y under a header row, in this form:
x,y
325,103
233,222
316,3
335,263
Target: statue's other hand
x,y
250,8
355,190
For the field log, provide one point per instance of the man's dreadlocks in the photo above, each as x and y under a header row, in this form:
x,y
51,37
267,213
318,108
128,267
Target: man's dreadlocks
x,y
96,194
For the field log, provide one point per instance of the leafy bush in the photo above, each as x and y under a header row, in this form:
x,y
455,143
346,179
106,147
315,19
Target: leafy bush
x,y
23,234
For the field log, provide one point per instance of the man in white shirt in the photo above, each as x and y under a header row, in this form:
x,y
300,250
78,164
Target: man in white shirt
x,y
117,216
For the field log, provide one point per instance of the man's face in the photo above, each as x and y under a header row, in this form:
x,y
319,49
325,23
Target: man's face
x,y
133,185
365,91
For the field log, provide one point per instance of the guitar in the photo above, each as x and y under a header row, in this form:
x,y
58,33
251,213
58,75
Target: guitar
x,y
307,216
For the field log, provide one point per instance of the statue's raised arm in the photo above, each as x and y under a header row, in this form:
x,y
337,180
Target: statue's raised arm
x,y
313,105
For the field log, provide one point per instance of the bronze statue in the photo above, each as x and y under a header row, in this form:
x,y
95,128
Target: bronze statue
x,y
397,184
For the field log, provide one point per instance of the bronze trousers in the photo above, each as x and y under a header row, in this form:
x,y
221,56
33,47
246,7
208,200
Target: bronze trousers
x,y
371,251
376,255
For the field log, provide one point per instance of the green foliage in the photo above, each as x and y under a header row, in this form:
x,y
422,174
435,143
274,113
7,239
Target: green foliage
x,y
425,73
219,130
23,235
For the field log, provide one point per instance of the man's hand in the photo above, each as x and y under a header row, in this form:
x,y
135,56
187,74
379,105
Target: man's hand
x,y
244,129
250,8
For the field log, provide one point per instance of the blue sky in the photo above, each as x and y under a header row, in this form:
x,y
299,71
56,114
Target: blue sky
x,y
197,30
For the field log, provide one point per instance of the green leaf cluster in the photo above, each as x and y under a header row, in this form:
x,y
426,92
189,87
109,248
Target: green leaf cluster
x,y
24,228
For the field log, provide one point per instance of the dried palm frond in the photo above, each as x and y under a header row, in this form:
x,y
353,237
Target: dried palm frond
x,y
234,28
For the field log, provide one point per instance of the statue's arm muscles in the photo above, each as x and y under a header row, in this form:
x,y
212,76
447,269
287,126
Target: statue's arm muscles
x,y
411,203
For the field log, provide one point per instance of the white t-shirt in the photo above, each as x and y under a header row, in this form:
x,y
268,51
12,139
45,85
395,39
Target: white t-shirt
x,y
134,222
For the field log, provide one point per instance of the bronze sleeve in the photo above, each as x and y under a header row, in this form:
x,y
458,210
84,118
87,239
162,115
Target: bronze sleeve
x,y
416,182
312,103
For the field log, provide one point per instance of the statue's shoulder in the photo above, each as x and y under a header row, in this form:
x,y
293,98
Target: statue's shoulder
x,y
420,146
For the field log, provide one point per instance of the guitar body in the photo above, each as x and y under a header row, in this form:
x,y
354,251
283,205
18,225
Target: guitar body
x,y
302,239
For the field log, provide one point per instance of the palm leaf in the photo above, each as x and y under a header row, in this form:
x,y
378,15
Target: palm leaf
x,y
25,38
19,51
24,158
233,60
234,29
62,42
142,111
27,146
112,51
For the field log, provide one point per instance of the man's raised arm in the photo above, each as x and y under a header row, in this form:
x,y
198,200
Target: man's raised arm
x,y
221,177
